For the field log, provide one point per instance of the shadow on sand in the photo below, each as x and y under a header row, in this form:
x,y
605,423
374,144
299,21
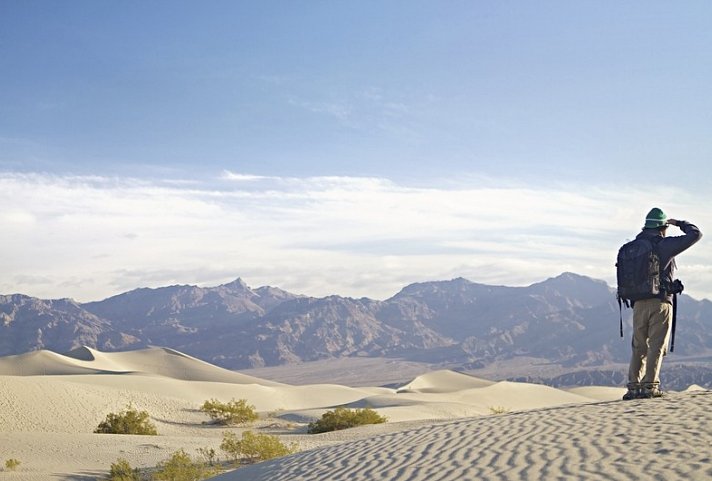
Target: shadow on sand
x,y
82,476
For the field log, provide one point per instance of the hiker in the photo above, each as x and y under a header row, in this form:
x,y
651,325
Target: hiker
x,y
652,317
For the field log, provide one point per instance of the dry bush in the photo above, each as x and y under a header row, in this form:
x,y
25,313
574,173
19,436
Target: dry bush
x,y
180,467
121,470
343,418
255,447
209,455
233,412
128,421
498,410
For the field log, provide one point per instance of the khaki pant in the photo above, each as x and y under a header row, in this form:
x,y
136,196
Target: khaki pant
x,y
652,319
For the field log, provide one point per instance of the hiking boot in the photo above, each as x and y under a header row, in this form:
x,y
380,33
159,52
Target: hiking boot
x,y
652,392
632,394
635,391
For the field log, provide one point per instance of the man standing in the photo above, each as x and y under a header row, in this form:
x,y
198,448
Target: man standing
x,y
652,318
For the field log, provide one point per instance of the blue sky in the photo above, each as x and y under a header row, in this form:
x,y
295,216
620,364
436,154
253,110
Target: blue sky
x,y
345,147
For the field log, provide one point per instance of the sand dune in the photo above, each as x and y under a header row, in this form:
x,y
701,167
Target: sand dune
x,y
51,403
157,361
666,439
443,382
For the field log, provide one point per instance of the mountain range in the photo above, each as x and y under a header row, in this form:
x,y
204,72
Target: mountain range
x,y
571,320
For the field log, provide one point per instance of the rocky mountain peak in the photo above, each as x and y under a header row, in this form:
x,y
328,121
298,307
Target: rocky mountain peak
x,y
236,285
427,288
582,289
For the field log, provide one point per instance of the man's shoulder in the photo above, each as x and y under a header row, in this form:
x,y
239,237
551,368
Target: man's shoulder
x,y
649,235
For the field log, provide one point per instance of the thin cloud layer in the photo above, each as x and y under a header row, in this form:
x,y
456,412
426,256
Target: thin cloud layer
x,y
92,237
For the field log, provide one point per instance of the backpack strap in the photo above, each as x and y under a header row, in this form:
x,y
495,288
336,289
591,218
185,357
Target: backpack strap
x,y
620,310
656,251
674,322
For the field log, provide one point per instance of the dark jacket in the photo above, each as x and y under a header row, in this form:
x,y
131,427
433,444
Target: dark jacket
x,y
669,247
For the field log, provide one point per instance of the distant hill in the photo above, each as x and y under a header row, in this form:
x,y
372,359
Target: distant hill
x,y
571,320
29,324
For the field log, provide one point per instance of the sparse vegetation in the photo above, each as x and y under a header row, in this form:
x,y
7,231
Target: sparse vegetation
x,y
121,470
209,455
255,447
128,421
12,464
343,418
498,410
180,467
233,412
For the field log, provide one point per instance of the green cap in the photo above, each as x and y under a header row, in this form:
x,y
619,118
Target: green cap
x,y
656,218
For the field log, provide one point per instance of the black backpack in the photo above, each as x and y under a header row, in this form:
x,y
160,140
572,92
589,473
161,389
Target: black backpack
x,y
637,272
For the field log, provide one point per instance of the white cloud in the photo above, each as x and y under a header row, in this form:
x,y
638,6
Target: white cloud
x,y
91,237
17,217
232,176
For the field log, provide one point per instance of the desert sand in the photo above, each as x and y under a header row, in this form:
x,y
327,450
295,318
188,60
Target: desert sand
x,y
442,424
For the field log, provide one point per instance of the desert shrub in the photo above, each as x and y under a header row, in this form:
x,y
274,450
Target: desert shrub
x,y
128,421
255,447
498,410
233,412
121,470
343,418
12,464
209,455
180,467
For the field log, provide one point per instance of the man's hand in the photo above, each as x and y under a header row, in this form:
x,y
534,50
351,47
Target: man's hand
x,y
673,222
